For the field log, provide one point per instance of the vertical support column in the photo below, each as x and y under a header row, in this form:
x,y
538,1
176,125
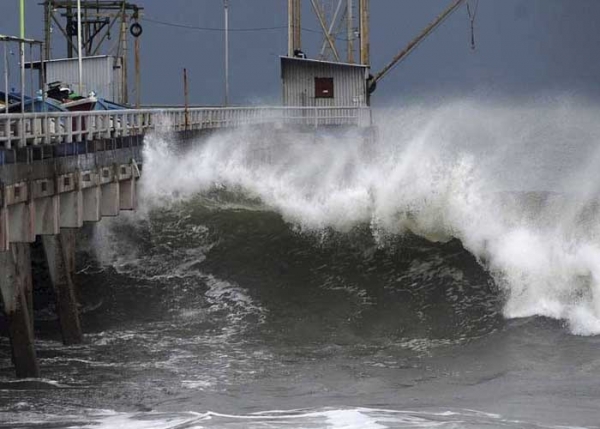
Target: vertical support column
x,y
364,32
69,14
15,272
91,204
71,209
60,255
90,187
47,215
123,40
110,199
294,26
47,31
71,199
4,229
21,219
127,187
127,194
110,195
350,30
23,252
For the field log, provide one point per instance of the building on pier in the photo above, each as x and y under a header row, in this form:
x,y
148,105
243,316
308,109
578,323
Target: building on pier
x,y
316,83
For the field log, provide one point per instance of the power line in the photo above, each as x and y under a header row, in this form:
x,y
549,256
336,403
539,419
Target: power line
x,y
218,29
193,27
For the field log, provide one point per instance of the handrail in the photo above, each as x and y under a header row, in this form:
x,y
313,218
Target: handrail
x,y
24,129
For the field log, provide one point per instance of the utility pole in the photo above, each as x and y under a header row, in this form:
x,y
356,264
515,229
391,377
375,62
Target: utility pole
x,y
125,89
294,26
5,75
69,13
226,10
138,84
22,54
364,32
79,59
290,28
47,17
186,99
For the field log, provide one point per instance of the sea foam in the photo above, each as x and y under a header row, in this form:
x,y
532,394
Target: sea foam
x,y
516,184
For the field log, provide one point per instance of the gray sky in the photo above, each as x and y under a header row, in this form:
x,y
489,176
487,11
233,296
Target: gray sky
x,y
524,48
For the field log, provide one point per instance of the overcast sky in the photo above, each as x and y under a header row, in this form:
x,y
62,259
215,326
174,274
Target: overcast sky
x,y
524,48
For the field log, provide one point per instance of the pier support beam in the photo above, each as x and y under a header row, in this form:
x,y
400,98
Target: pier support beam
x,y
60,254
4,229
21,220
127,194
91,204
15,284
110,200
71,209
47,215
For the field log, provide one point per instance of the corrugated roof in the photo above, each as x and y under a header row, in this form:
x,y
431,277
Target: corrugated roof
x,y
311,60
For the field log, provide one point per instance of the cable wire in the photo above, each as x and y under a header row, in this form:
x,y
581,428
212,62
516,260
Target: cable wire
x,y
218,29
193,27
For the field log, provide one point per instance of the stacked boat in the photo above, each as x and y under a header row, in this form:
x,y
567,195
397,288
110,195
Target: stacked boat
x,y
59,98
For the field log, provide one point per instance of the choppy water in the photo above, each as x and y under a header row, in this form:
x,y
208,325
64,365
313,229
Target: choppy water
x,y
446,276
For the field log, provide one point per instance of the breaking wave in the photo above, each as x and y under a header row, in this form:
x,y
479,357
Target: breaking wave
x,y
516,185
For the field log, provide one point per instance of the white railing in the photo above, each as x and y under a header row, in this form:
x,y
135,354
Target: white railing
x,y
19,130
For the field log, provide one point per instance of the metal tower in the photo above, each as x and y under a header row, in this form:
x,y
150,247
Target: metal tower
x,y
342,22
98,22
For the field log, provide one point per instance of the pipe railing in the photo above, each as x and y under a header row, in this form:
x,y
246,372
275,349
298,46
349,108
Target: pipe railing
x,y
27,129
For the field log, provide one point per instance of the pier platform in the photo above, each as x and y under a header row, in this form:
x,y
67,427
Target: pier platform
x,y
59,170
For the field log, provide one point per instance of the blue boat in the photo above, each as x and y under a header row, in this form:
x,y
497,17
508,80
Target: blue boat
x,y
36,104
103,104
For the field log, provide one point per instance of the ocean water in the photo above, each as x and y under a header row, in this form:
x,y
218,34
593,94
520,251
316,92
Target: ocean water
x,y
445,275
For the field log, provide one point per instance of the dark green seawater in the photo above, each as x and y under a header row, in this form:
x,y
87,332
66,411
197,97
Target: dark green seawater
x,y
428,280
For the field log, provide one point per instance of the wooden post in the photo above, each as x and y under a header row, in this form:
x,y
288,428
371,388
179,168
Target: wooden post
x,y
138,86
294,26
48,11
364,32
350,30
185,98
125,94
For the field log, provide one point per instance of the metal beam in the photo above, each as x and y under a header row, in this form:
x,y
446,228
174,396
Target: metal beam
x,y
105,35
324,28
332,25
93,4
415,42
62,30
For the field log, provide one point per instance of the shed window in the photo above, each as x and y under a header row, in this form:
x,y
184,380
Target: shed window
x,y
324,87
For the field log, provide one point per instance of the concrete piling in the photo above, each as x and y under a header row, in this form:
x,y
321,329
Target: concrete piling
x,y
15,287
60,255
53,203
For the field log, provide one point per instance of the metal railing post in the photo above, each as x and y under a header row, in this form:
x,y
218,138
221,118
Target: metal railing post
x,y
22,140
20,129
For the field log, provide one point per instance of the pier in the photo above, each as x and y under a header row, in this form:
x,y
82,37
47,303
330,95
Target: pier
x,y
62,167
60,170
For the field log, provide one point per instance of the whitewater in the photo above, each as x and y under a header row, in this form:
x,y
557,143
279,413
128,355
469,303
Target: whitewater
x,y
514,184
441,271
